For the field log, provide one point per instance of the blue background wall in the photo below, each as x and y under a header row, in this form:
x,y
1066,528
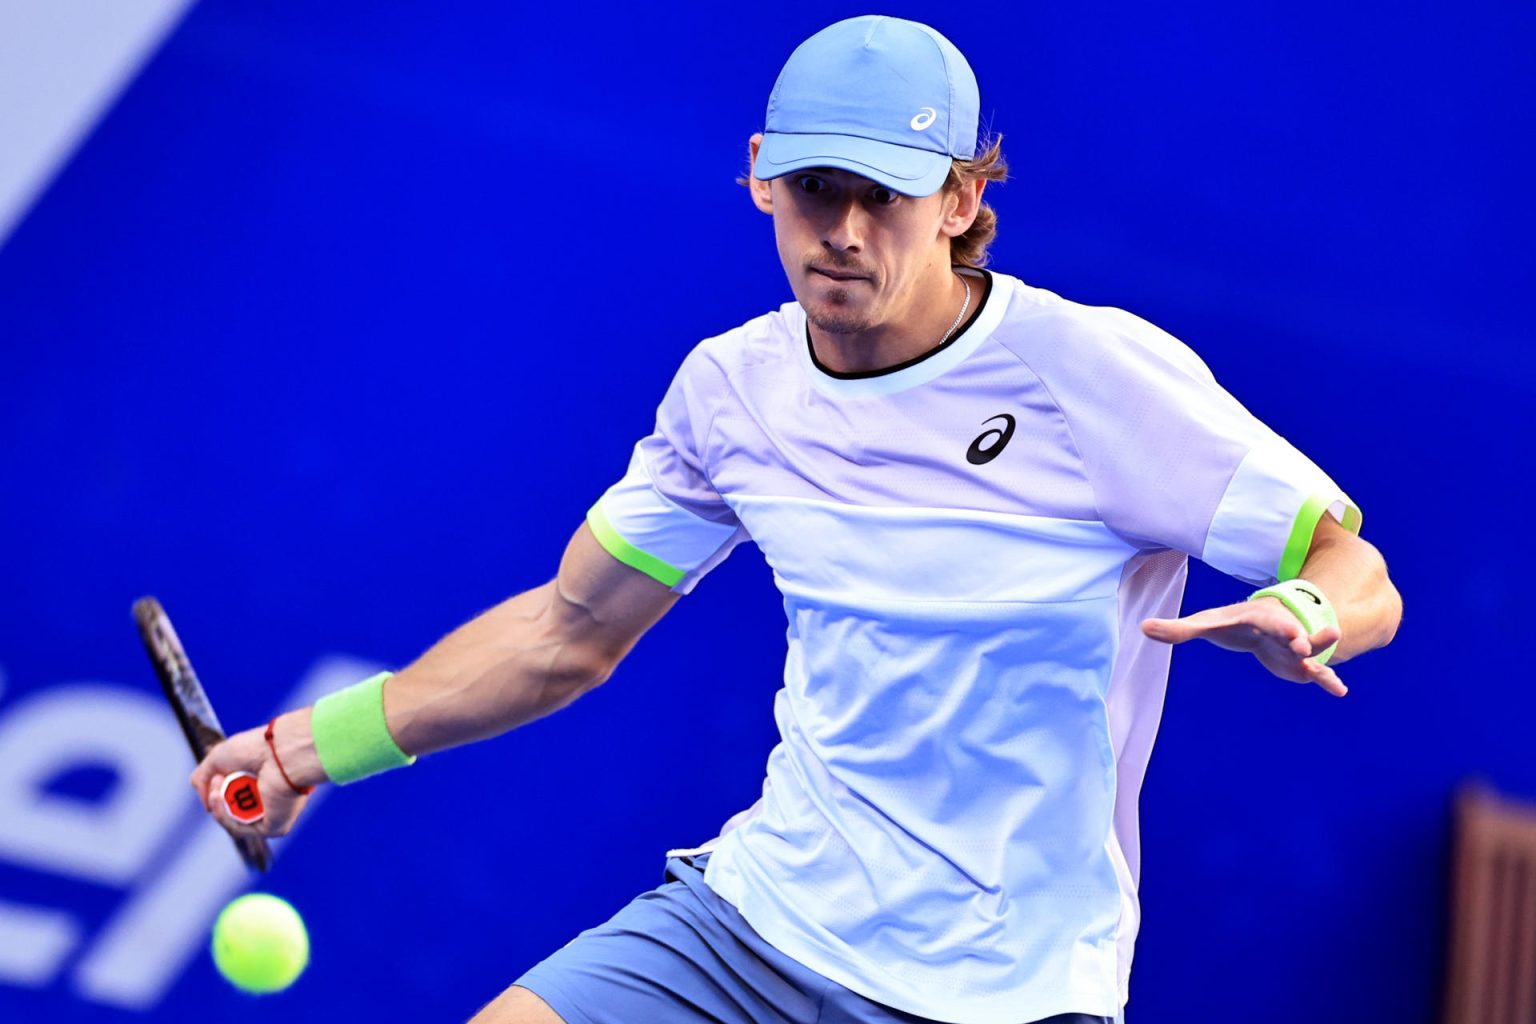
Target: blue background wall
x,y
336,325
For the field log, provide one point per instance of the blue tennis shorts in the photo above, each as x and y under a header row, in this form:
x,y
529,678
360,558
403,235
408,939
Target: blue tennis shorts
x,y
680,953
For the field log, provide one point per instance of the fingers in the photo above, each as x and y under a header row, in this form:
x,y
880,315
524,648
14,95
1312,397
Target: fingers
x,y
1324,676
1317,672
215,802
1265,628
209,774
1246,626
220,812
279,806
245,752
206,782
1168,631
1190,627
200,779
1325,638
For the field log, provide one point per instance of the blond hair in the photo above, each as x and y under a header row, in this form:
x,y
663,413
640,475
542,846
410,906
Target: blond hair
x,y
970,249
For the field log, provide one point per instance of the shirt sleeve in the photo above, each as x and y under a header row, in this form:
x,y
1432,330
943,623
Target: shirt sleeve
x,y
664,517
1176,462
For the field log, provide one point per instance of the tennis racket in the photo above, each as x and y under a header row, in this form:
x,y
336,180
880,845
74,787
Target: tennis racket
x,y
198,722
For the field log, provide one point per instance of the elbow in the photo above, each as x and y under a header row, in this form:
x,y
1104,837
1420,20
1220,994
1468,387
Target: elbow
x,y
593,670
1390,601
578,670
1394,612
1387,602
1370,607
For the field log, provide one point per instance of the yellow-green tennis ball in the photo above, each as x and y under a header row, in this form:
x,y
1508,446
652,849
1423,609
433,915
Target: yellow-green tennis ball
x,y
259,943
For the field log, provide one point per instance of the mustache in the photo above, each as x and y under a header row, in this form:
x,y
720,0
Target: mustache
x,y
838,264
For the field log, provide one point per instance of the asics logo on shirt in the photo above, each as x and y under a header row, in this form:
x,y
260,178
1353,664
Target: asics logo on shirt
x,y
991,443
924,118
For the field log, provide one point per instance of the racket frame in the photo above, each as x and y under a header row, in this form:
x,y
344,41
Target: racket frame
x,y
185,693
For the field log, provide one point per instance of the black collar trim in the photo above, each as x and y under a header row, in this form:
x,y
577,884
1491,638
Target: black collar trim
x,y
986,293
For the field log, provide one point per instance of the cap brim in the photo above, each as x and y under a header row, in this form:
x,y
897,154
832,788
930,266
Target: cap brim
x,y
912,172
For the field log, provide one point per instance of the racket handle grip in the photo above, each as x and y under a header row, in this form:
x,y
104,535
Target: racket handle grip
x,y
242,798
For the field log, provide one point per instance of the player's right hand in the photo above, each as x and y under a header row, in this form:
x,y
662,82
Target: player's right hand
x,y
248,752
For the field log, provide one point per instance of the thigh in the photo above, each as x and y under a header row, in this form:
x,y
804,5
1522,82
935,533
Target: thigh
x,y
517,1005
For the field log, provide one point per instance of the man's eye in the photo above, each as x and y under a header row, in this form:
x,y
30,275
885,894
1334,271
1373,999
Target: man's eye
x,y
811,184
882,196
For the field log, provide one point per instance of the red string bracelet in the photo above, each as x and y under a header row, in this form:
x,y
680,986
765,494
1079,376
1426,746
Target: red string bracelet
x,y
301,790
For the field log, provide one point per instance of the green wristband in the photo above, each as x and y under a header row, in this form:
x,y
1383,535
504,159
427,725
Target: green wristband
x,y
351,737
1309,605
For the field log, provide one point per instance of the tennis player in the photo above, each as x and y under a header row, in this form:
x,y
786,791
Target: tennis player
x,y
979,500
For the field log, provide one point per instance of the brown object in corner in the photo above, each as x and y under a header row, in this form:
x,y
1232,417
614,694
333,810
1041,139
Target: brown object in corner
x,y
1491,970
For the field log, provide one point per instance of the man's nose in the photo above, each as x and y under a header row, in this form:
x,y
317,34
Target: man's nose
x,y
845,227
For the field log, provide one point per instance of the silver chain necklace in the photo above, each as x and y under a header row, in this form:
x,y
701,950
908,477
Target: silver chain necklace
x,y
960,315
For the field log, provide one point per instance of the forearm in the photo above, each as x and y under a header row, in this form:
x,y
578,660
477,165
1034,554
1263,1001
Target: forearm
x,y
508,666
1354,576
516,662
526,657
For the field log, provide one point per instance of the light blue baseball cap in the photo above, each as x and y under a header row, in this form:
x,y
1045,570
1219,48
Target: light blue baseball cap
x,y
885,98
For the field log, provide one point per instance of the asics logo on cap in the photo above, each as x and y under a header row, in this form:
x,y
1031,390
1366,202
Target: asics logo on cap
x,y
924,118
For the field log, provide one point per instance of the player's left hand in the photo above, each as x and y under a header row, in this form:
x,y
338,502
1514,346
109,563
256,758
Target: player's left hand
x,y
1267,629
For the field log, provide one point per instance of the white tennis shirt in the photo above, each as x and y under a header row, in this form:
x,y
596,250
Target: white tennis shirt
x,y
966,545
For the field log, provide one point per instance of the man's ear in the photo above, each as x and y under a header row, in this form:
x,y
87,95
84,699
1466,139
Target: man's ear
x,y
762,193
961,207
